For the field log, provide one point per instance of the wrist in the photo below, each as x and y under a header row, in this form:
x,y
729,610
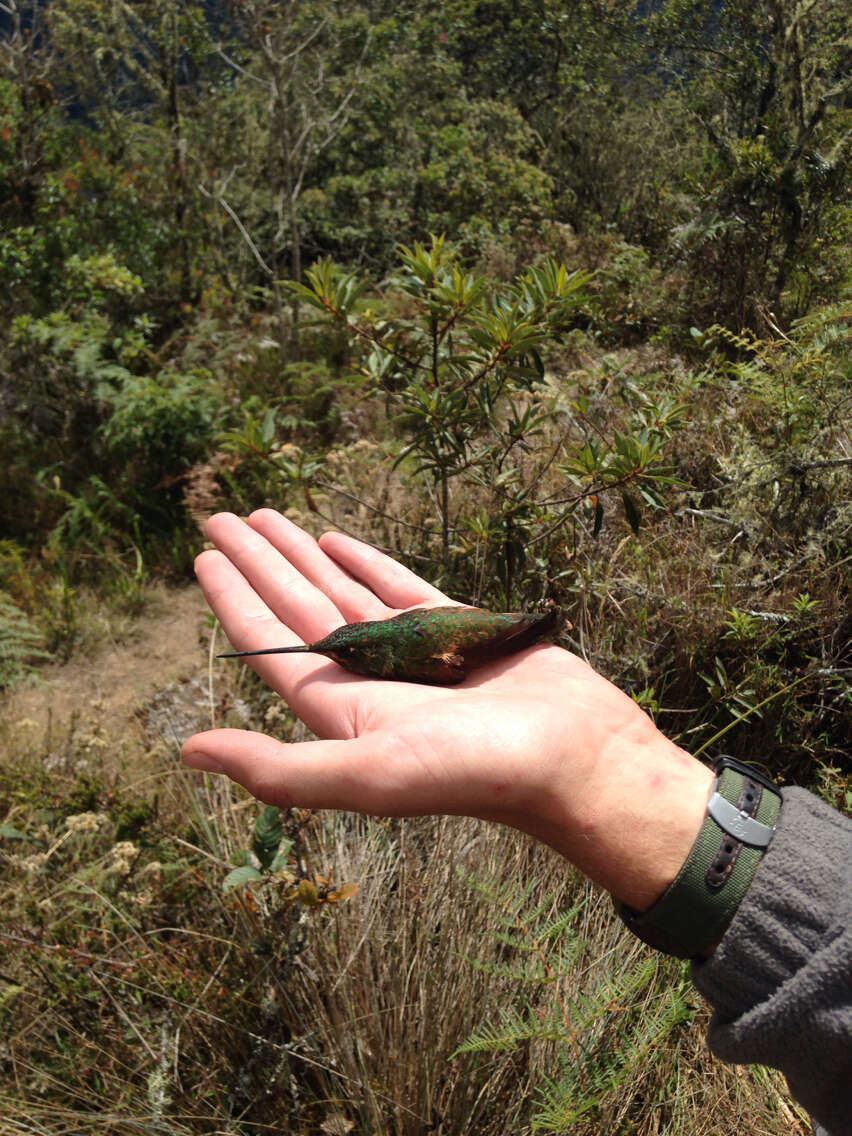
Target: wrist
x,y
693,913
653,814
629,821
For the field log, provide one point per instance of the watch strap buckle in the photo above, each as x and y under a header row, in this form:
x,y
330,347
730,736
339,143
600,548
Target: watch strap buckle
x,y
739,824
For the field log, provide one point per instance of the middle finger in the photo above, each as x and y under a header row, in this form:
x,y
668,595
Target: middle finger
x,y
353,600
282,587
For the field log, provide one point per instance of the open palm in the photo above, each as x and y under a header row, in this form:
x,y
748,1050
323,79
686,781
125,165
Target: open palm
x,y
531,740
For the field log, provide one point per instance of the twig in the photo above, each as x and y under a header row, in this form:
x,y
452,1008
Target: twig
x,y
771,616
243,231
326,485
705,514
802,467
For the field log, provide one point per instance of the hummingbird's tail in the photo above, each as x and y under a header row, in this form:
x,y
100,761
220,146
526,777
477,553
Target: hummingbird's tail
x,y
264,651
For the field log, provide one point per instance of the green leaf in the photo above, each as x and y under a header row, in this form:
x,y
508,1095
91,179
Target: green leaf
x,y
267,835
267,430
599,516
240,876
651,496
9,832
631,511
281,856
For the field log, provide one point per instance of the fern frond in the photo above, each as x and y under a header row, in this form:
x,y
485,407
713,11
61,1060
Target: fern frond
x,y
513,1030
618,1036
521,973
21,644
560,926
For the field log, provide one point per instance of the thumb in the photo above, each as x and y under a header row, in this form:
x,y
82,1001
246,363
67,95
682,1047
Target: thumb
x,y
350,774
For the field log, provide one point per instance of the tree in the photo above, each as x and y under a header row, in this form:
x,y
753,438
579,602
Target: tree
x,y
299,58
134,69
27,64
460,362
769,84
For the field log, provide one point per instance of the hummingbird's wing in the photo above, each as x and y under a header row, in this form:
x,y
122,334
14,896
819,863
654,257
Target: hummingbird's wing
x,y
510,632
445,670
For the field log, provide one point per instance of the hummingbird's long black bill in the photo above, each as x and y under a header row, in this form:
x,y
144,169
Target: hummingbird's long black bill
x,y
264,651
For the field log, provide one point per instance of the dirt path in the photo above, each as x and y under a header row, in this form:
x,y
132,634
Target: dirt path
x,y
151,682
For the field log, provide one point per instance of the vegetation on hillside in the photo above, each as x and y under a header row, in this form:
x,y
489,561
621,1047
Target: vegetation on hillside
x,y
552,301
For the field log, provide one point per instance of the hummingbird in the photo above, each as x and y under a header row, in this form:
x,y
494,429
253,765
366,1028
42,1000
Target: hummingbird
x,y
428,644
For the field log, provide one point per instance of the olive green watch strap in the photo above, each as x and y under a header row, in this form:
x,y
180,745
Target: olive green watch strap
x,y
692,913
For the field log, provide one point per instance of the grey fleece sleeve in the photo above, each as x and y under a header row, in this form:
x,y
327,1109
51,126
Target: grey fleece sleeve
x,y
780,981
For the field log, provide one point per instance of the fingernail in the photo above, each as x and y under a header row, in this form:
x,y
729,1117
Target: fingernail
x,y
203,761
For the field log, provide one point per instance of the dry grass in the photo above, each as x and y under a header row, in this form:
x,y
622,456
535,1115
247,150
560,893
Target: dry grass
x,y
137,998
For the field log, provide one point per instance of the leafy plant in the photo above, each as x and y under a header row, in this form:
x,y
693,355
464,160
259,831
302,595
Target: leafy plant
x,y
164,420
457,367
21,644
461,365
600,1035
269,849
629,464
271,856
265,467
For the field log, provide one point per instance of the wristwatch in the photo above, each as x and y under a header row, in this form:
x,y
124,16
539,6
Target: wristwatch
x,y
692,914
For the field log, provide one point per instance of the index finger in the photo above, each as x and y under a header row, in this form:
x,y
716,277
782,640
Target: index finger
x,y
392,582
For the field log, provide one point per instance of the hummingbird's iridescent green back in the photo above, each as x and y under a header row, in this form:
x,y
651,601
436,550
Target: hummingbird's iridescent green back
x,y
435,645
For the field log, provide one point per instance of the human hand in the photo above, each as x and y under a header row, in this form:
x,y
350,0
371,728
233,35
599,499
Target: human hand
x,y
536,740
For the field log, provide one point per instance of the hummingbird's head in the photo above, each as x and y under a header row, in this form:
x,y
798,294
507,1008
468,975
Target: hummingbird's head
x,y
352,645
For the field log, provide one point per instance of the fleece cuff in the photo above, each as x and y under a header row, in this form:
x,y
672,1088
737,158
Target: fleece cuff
x,y
780,980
